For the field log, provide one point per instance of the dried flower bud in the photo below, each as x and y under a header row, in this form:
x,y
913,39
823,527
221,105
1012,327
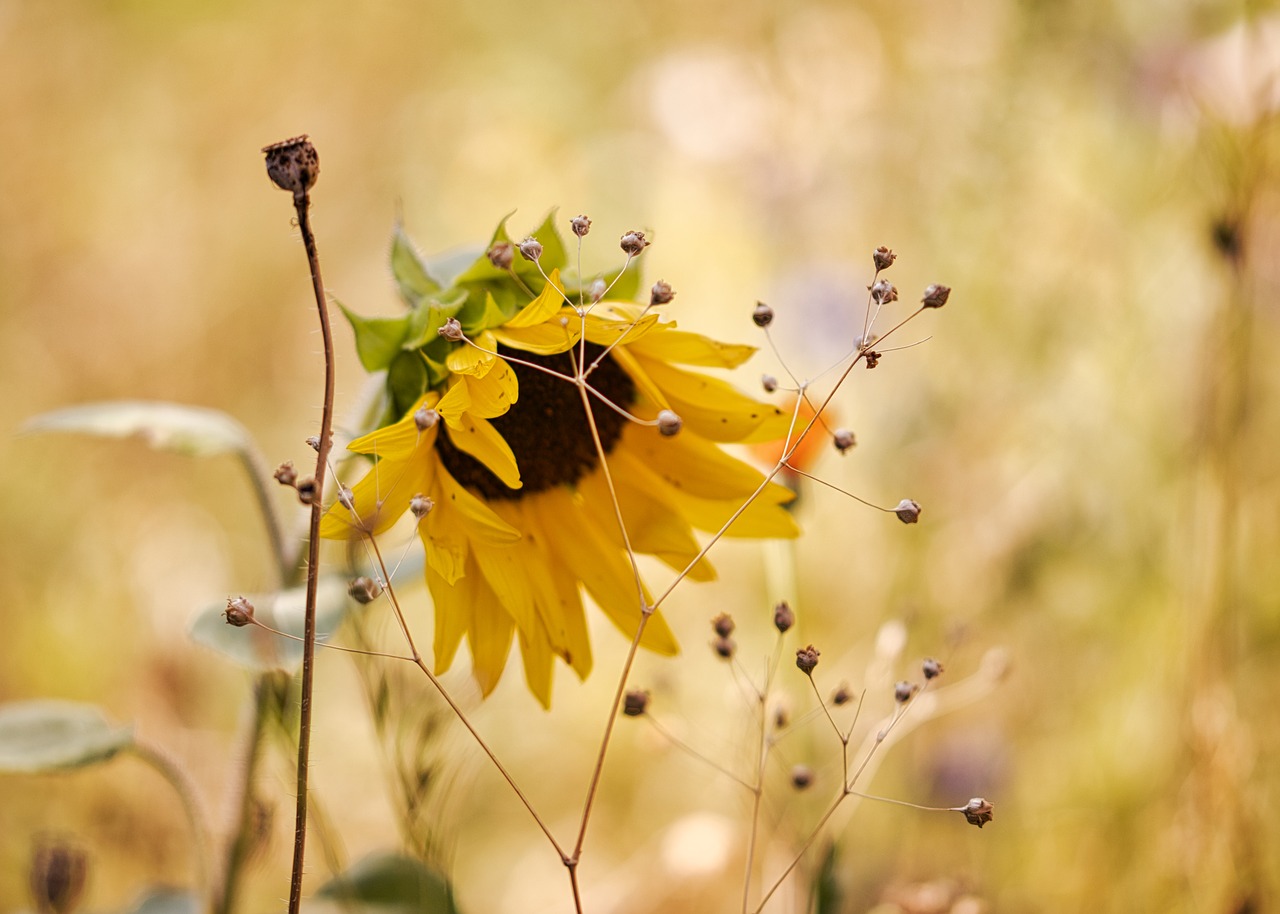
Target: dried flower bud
x,y
420,505
908,511
633,243
781,717
313,442
783,617
285,474
452,330
597,289
364,590
769,383
903,691
978,811
723,625
935,296
844,440
883,258
762,315
669,423
307,491
530,249
883,292
842,695
293,165
635,703
725,647
239,612
57,876
581,225
346,498
807,659
501,255
661,293
871,358
932,668
425,418
801,777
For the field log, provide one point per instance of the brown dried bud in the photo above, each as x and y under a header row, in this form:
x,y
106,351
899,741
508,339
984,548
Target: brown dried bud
x,y
908,511
783,617
801,777
807,659
725,647
364,590
669,423
501,255
935,296
346,498
661,293
883,258
932,668
293,165
239,612
307,491
904,691
633,243
597,289
781,717
723,625
842,695
978,811
530,249
872,358
57,876
420,505
452,330
581,225
285,474
635,703
313,442
425,418
762,315
769,383
883,292
844,440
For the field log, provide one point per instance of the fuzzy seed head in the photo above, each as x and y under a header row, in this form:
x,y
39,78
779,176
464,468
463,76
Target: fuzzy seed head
x,y
904,691
661,293
762,315
669,423
783,617
239,612
581,225
501,255
883,292
844,440
633,243
293,165
420,505
883,258
530,249
908,511
425,418
978,811
364,590
635,703
935,296
807,659
723,625
452,330
932,668
285,474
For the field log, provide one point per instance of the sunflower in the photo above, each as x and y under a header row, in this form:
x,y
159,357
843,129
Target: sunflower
x,y
488,445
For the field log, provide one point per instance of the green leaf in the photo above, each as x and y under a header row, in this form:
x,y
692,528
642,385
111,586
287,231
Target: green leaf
x,y
407,380
411,274
482,270
476,319
554,255
46,735
167,901
387,880
425,323
258,649
378,339
190,430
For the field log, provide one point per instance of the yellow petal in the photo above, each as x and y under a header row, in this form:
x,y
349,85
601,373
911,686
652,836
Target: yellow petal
x,y
481,440
479,522
542,339
474,360
692,464
452,605
397,439
494,392
555,591
454,403
714,409
604,330
542,308
686,348
644,384
535,652
490,634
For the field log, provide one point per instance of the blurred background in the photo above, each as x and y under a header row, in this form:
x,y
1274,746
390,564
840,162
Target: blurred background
x,y
1091,429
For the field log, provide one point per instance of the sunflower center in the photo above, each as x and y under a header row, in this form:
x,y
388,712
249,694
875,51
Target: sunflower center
x,y
547,428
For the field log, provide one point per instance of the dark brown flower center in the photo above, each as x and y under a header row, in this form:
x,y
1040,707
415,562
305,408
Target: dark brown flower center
x,y
547,428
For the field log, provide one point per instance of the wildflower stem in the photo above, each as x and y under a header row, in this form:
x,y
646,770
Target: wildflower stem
x,y
224,901
178,779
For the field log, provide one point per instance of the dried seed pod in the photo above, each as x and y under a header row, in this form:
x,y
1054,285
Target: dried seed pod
x,y
904,691
801,777
307,491
883,292
661,293
669,423
807,659
932,668
293,165
635,703
769,383
452,330
597,289
530,249
842,695
363,590
285,474
580,225
783,617
883,258
425,418
908,511
633,243
723,625
978,811
762,315
501,255
239,612
935,296
844,440
725,647
57,876
420,505
871,358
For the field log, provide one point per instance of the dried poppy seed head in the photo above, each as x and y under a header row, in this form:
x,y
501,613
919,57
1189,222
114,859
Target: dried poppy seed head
x,y
725,647
425,418
307,491
633,243
669,423
801,777
635,703
883,292
723,625
783,617
908,511
661,293
420,505
883,258
239,612
57,876
364,590
285,474
978,811
762,315
932,668
452,330
769,383
842,695
807,659
581,225
935,296
530,249
293,165
903,691
871,358
844,440
501,255
598,288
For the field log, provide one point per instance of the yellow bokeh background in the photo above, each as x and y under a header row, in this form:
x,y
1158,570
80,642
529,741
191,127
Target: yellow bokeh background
x,y
1091,426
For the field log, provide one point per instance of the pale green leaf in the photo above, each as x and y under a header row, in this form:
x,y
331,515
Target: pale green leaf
x,y
191,430
47,735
